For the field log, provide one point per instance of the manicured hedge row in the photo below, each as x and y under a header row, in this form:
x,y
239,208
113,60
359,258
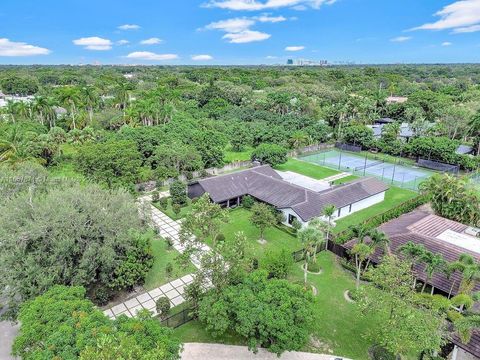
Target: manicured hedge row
x,y
382,218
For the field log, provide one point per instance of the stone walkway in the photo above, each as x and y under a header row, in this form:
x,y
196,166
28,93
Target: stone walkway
x,y
336,177
173,290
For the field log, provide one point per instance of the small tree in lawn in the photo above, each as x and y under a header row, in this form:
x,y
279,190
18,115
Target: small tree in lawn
x,y
328,212
162,306
308,237
361,251
262,217
178,192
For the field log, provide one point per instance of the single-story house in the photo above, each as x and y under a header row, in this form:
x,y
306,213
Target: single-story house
x,y
296,202
440,236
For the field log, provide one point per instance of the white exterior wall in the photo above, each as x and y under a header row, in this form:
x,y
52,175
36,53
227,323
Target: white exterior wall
x,y
345,211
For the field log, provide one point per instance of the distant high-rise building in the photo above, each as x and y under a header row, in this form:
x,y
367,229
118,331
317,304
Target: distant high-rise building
x,y
290,62
305,62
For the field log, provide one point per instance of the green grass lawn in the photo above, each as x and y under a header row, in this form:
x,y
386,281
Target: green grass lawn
x,y
169,210
275,237
307,169
66,166
339,328
233,156
393,197
157,275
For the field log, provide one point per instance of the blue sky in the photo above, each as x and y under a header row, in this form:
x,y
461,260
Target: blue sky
x,y
238,31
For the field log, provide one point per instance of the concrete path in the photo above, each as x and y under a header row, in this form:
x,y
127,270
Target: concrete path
x,y
197,351
173,290
336,177
8,331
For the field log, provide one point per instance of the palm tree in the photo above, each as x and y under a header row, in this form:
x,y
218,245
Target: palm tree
x,y
299,139
378,239
474,125
122,94
70,98
465,326
90,98
433,263
413,253
362,252
309,237
328,212
470,270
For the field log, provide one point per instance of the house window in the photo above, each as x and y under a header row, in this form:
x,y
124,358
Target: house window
x,y
350,208
338,212
291,219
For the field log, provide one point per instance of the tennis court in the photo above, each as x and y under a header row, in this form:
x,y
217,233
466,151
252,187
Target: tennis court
x,y
400,174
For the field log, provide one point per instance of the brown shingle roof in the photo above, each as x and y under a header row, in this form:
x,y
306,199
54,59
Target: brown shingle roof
x,y
422,228
266,185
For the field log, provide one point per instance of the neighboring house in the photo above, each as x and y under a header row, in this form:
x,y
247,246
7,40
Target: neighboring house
x,y
296,202
406,132
439,236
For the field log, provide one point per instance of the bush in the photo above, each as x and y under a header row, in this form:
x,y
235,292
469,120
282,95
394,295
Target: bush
x,y
278,264
220,238
297,225
102,295
163,202
169,269
177,208
248,201
271,154
255,263
178,192
280,216
162,306
169,242
379,353
313,267
155,196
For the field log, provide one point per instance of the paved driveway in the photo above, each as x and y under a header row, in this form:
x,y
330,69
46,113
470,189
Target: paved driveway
x,y
7,334
196,351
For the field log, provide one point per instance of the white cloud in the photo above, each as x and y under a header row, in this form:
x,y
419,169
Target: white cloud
x,y
150,56
246,36
400,39
467,29
231,25
271,57
123,42
151,41
272,19
461,16
11,48
256,5
294,48
202,57
94,43
446,43
129,27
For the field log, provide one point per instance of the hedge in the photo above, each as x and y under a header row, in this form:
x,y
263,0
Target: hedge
x,y
382,218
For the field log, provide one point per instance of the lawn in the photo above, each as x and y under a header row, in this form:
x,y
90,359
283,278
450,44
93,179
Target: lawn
x,y
275,237
169,210
157,275
233,156
339,329
307,169
393,197
66,166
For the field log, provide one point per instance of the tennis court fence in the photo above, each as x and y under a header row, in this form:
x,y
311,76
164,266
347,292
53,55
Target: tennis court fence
x,y
438,166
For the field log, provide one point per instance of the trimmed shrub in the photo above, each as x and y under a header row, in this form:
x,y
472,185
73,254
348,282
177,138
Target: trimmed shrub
x,y
220,238
248,201
162,306
163,202
178,192
313,267
297,225
278,264
155,196
169,269
176,209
